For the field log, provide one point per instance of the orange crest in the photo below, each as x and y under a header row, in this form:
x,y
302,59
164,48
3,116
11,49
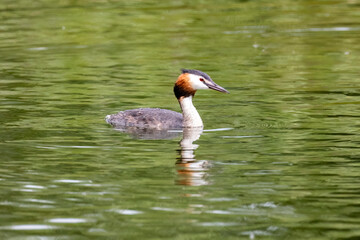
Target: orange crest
x,y
183,87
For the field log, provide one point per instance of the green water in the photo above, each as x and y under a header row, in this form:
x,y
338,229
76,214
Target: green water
x,y
279,157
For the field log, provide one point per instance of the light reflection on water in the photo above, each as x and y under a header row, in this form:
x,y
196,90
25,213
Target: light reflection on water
x,y
30,227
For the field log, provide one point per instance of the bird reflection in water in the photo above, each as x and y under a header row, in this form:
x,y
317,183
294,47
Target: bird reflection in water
x,y
149,133
191,172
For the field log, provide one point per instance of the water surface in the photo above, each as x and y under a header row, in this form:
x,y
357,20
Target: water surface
x,y
279,156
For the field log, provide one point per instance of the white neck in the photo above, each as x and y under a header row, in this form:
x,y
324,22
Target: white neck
x,y
190,114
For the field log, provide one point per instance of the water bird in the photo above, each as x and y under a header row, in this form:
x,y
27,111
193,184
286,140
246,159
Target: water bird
x,y
187,84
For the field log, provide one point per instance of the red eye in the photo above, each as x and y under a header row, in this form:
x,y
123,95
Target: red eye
x,y
201,79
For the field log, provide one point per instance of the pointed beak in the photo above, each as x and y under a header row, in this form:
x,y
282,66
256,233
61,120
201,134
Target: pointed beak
x,y
216,87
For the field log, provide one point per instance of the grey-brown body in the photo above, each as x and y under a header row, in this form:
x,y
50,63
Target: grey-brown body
x,y
155,118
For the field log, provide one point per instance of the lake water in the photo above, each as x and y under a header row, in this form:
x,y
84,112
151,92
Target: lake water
x,y
279,157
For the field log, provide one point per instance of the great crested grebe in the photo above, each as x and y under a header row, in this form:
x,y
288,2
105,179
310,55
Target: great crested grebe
x,y
185,87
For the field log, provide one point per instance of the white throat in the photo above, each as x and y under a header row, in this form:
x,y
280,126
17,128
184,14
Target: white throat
x,y
190,114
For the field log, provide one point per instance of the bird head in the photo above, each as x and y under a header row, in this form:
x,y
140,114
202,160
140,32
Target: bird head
x,y
191,80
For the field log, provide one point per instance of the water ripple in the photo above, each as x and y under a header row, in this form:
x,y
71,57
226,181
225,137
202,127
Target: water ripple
x,y
217,224
222,199
165,209
68,220
259,136
220,212
29,227
326,29
72,181
126,211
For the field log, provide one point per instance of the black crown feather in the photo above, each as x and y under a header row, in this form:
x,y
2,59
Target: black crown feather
x,y
196,72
